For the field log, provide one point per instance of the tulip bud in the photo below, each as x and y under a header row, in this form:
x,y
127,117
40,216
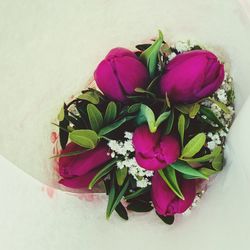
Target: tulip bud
x,y
191,76
120,73
166,202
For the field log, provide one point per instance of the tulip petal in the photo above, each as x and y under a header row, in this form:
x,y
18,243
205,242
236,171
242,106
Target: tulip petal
x,y
79,165
149,163
170,148
107,81
131,73
79,181
144,141
120,52
166,202
161,194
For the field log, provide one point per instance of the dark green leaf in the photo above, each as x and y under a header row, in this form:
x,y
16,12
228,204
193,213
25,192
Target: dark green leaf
x,y
121,211
111,198
115,200
186,169
114,125
137,193
84,137
63,131
95,117
110,114
169,176
104,171
208,113
140,206
166,219
143,46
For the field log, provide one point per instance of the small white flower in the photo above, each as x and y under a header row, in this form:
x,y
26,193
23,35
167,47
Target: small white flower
x,y
142,183
128,135
211,145
113,154
171,56
182,46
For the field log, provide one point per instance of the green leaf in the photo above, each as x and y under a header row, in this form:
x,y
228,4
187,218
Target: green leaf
x,y
143,91
221,105
134,108
90,96
185,109
110,113
63,130
140,206
184,168
104,171
205,158
111,198
153,83
84,137
150,56
194,145
114,125
181,128
170,123
210,116
164,116
194,110
121,175
169,176
207,171
95,117
137,193
60,116
217,163
169,220
150,117
121,211
115,201
72,153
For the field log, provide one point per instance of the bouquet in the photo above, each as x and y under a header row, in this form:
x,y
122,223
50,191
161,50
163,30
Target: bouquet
x,y
151,130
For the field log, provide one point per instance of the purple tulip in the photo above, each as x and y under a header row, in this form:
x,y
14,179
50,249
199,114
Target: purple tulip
x,y
120,73
166,202
78,170
191,76
152,151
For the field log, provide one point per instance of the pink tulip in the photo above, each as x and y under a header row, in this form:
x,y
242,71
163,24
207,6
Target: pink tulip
x,y
120,73
166,202
152,151
192,75
78,170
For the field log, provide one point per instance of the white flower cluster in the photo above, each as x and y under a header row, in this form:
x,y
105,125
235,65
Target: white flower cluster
x,y
181,46
195,203
223,96
123,150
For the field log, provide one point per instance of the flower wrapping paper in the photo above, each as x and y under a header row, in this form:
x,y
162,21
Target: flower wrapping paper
x,y
49,49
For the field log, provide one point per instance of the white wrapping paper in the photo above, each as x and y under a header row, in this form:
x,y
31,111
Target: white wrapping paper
x,y
48,51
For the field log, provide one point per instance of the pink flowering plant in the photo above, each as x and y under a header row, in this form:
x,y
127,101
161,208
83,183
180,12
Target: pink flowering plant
x,y
152,130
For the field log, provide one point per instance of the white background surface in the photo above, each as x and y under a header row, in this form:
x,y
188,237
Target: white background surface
x,y
48,50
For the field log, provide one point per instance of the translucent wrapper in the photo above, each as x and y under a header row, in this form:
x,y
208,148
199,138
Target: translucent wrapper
x,y
48,52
